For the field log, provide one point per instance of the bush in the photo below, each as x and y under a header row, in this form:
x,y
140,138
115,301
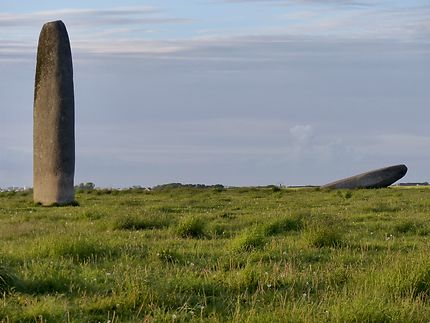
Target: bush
x,y
191,227
274,188
85,186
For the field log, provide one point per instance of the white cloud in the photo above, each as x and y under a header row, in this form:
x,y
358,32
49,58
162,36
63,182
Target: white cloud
x,y
302,132
351,19
93,31
125,31
302,2
233,109
128,47
91,17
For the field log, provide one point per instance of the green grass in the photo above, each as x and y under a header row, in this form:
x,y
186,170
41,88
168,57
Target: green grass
x,y
249,240
208,254
191,227
7,281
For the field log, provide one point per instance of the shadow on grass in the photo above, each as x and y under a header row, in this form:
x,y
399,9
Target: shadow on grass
x,y
8,280
144,222
73,203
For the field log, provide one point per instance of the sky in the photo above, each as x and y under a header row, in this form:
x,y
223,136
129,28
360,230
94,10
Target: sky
x,y
236,92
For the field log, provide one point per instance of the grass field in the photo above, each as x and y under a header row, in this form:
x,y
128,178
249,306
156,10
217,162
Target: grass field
x,y
240,254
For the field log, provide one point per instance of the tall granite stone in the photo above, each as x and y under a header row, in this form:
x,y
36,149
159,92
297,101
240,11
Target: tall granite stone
x,y
378,178
54,118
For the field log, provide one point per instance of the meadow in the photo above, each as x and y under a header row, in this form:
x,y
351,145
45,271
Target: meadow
x,y
214,254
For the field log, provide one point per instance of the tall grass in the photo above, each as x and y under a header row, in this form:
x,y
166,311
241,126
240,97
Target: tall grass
x,y
193,254
7,280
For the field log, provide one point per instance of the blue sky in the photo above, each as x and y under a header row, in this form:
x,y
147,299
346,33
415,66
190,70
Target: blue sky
x,y
238,92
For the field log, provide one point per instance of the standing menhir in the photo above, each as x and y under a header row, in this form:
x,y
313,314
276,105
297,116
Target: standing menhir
x,y
54,118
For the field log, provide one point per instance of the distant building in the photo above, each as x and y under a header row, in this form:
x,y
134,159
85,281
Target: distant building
x,y
413,184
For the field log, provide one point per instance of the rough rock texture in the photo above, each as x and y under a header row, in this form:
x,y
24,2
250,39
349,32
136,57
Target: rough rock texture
x,y
378,178
54,118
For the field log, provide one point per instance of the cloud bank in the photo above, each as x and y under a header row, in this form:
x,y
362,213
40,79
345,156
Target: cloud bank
x,y
312,98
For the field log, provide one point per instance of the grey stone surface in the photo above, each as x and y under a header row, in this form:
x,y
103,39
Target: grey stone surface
x,y
54,118
378,178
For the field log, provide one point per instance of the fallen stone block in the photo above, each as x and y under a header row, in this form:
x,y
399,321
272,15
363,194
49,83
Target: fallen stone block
x,y
378,178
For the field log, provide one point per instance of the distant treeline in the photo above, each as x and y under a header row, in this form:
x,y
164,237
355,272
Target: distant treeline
x,y
91,186
180,185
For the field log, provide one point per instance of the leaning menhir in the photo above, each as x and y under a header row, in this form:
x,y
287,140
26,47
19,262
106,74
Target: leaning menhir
x,y
378,178
54,118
